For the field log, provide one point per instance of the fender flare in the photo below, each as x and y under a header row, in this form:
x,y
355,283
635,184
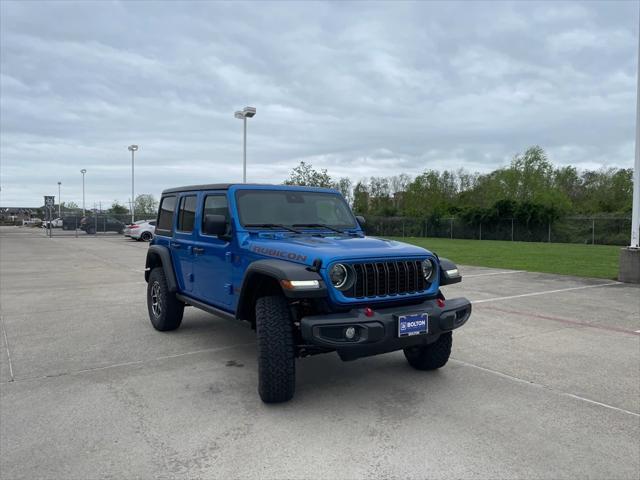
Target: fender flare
x,y
277,270
154,253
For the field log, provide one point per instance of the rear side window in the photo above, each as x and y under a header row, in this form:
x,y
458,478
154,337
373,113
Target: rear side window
x,y
187,213
152,223
165,217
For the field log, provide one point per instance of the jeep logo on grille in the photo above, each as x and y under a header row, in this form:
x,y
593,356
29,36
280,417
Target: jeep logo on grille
x,y
272,252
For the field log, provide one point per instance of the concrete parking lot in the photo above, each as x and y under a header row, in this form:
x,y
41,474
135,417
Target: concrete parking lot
x,y
544,382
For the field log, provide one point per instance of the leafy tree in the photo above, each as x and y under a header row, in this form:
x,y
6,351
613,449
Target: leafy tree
x,y
117,208
361,198
146,205
305,175
69,206
344,187
530,189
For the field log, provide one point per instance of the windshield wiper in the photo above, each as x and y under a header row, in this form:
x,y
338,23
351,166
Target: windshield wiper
x,y
271,225
318,225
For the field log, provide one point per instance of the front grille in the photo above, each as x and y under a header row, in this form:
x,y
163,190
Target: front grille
x,y
377,279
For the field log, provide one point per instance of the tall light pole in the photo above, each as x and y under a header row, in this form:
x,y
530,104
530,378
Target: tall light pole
x,y
630,257
59,202
83,171
635,209
132,149
243,114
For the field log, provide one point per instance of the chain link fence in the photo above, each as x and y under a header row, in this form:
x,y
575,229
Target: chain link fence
x,y
92,222
586,230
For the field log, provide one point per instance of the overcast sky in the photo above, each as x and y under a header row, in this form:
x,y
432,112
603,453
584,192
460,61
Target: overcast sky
x,y
360,89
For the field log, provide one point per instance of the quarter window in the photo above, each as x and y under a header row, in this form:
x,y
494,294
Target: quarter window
x,y
165,217
187,213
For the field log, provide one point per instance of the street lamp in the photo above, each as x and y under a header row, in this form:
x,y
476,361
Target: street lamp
x,y
132,149
59,202
83,171
247,112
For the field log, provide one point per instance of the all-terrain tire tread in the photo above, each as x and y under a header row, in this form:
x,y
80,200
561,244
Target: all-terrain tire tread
x,y
432,356
172,308
276,351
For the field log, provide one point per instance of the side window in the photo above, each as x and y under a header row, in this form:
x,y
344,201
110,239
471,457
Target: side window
x,y
152,223
187,213
216,205
165,217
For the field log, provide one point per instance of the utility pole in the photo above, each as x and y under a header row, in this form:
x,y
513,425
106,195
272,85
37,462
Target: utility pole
x,y
59,202
83,171
132,149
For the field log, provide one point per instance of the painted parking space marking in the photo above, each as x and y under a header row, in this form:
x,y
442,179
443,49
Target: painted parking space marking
x,y
506,272
546,387
566,321
545,292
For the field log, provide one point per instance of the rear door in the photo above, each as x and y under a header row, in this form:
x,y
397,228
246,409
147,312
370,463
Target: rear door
x,y
183,239
213,255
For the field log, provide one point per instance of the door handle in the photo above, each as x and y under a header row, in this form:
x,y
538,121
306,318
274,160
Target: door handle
x,y
175,245
198,250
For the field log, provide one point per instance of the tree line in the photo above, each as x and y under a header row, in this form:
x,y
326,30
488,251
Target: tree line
x,y
530,189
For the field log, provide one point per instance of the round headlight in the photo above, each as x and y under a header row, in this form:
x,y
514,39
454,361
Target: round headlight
x,y
428,270
340,277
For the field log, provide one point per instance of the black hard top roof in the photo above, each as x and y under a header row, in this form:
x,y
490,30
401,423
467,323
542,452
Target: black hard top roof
x,y
225,186
191,188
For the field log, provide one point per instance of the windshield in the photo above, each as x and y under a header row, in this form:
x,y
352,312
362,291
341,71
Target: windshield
x,y
282,207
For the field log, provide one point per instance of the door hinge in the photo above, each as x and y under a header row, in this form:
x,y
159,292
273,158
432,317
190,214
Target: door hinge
x,y
228,257
229,288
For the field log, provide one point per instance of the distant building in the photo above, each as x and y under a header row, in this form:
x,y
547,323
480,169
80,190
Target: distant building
x,y
16,214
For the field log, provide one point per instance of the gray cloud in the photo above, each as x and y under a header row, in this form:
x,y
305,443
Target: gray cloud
x,y
358,88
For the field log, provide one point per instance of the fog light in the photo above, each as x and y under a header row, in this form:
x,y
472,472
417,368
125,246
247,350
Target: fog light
x,y
350,333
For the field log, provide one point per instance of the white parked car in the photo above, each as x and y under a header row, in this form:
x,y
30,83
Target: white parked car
x,y
129,227
141,230
55,223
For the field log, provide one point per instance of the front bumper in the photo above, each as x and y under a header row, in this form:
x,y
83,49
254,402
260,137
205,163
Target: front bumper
x,y
379,333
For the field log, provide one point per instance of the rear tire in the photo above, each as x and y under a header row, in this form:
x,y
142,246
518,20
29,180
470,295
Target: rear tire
x,y
165,310
276,354
146,236
432,356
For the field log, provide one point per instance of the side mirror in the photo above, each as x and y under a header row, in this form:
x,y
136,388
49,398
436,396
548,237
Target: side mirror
x,y
214,225
360,220
449,272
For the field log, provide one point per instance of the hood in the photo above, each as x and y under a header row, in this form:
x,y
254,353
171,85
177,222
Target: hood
x,y
306,248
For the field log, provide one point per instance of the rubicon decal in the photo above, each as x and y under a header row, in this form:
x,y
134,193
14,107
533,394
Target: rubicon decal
x,y
272,252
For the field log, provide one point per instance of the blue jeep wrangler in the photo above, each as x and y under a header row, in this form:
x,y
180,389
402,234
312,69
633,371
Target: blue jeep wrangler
x,y
295,264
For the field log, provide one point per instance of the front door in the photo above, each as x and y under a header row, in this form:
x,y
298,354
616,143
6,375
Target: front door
x,y
213,255
183,240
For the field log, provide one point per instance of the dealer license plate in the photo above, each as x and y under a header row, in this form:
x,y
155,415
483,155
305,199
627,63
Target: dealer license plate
x,y
414,324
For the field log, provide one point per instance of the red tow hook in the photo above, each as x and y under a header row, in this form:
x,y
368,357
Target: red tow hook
x,y
440,302
368,312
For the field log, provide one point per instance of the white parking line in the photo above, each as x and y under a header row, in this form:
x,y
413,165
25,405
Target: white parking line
x,y
506,272
539,385
545,292
6,343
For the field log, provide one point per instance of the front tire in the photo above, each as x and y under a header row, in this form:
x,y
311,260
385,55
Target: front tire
x,y
276,354
432,356
165,310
